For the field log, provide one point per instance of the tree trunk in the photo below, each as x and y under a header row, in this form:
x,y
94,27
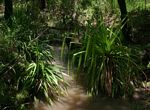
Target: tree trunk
x,y
8,11
109,76
124,18
42,5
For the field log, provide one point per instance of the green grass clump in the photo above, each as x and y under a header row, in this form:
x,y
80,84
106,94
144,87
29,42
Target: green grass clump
x,y
26,63
108,64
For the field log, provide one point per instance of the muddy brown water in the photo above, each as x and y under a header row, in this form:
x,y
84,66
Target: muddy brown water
x,y
77,98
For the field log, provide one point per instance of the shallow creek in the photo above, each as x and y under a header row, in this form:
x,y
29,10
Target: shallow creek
x,y
77,99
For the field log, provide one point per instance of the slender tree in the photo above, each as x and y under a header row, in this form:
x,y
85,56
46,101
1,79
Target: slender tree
x,y
42,4
124,18
8,11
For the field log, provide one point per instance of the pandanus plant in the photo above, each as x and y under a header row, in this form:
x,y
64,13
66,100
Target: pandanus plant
x,y
108,64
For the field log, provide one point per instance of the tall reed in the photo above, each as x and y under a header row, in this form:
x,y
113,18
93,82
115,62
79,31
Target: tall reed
x,y
108,64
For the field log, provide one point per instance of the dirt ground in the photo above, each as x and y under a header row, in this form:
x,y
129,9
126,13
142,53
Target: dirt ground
x,y
76,97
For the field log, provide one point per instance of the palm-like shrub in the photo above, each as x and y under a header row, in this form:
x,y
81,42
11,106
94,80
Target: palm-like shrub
x,y
42,78
26,65
108,64
27,71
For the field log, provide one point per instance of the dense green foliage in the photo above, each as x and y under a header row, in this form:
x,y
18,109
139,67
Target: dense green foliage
x,y
110,67
26,63
27,69
108,64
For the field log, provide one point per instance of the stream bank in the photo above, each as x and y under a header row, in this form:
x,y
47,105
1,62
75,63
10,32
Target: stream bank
x,y
76,97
